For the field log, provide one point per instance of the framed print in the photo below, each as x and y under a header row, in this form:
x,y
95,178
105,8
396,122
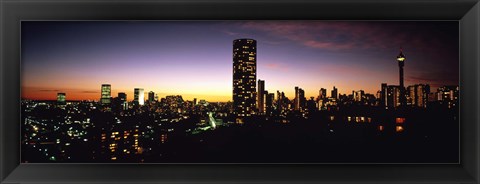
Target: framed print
x,y
203,91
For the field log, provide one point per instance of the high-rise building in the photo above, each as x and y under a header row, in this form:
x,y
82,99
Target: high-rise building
x,y
448,95
358,96
334,93
300,100
296,100
244,77
418,95
410,92
397,95
106,97
390,96
322,93
311,105
138,96
383,96
282,102
269,98
278,102
401,62
261,96
122,97
61,99
151,96
422,91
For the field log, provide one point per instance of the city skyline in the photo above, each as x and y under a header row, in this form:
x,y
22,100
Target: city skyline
x,y
183,66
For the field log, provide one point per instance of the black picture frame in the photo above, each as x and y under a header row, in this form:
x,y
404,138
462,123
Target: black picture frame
x,y
467,12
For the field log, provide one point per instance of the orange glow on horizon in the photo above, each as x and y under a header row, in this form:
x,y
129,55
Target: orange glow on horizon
x,y
32,93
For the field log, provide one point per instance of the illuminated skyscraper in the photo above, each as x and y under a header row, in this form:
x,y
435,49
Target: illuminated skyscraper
x,y
261,96
138,96
401,62
448,95
358,96
244,77
106,97
390,96
61,98
418,95
422,91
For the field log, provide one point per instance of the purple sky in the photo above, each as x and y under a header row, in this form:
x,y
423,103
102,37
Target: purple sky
x,y
194,58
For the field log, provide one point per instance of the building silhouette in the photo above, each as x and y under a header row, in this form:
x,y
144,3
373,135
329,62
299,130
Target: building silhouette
x,y
334,93
122,97
138,96
151,96
300,100
261,96
106,94
401,63
269,99
244,77
322,93
282,102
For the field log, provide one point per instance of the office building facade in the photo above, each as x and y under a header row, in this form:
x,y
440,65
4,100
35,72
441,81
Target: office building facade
x,y
138,96
244,77
106,94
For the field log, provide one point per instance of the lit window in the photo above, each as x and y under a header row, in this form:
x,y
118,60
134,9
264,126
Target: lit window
x,y
399,120
399,129
380,128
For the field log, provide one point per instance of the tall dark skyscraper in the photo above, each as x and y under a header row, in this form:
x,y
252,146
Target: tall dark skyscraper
x,y
122,97
244,77
261,96
401,62
269,99
151,96
334,93
299,99
106,94
322,93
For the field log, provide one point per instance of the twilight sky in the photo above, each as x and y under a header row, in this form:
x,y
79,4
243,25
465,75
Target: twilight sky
x,y
194,58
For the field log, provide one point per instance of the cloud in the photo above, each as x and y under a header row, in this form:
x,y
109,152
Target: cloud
x,y
48,90
89,92
434,78
276,66
338,36
231,33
